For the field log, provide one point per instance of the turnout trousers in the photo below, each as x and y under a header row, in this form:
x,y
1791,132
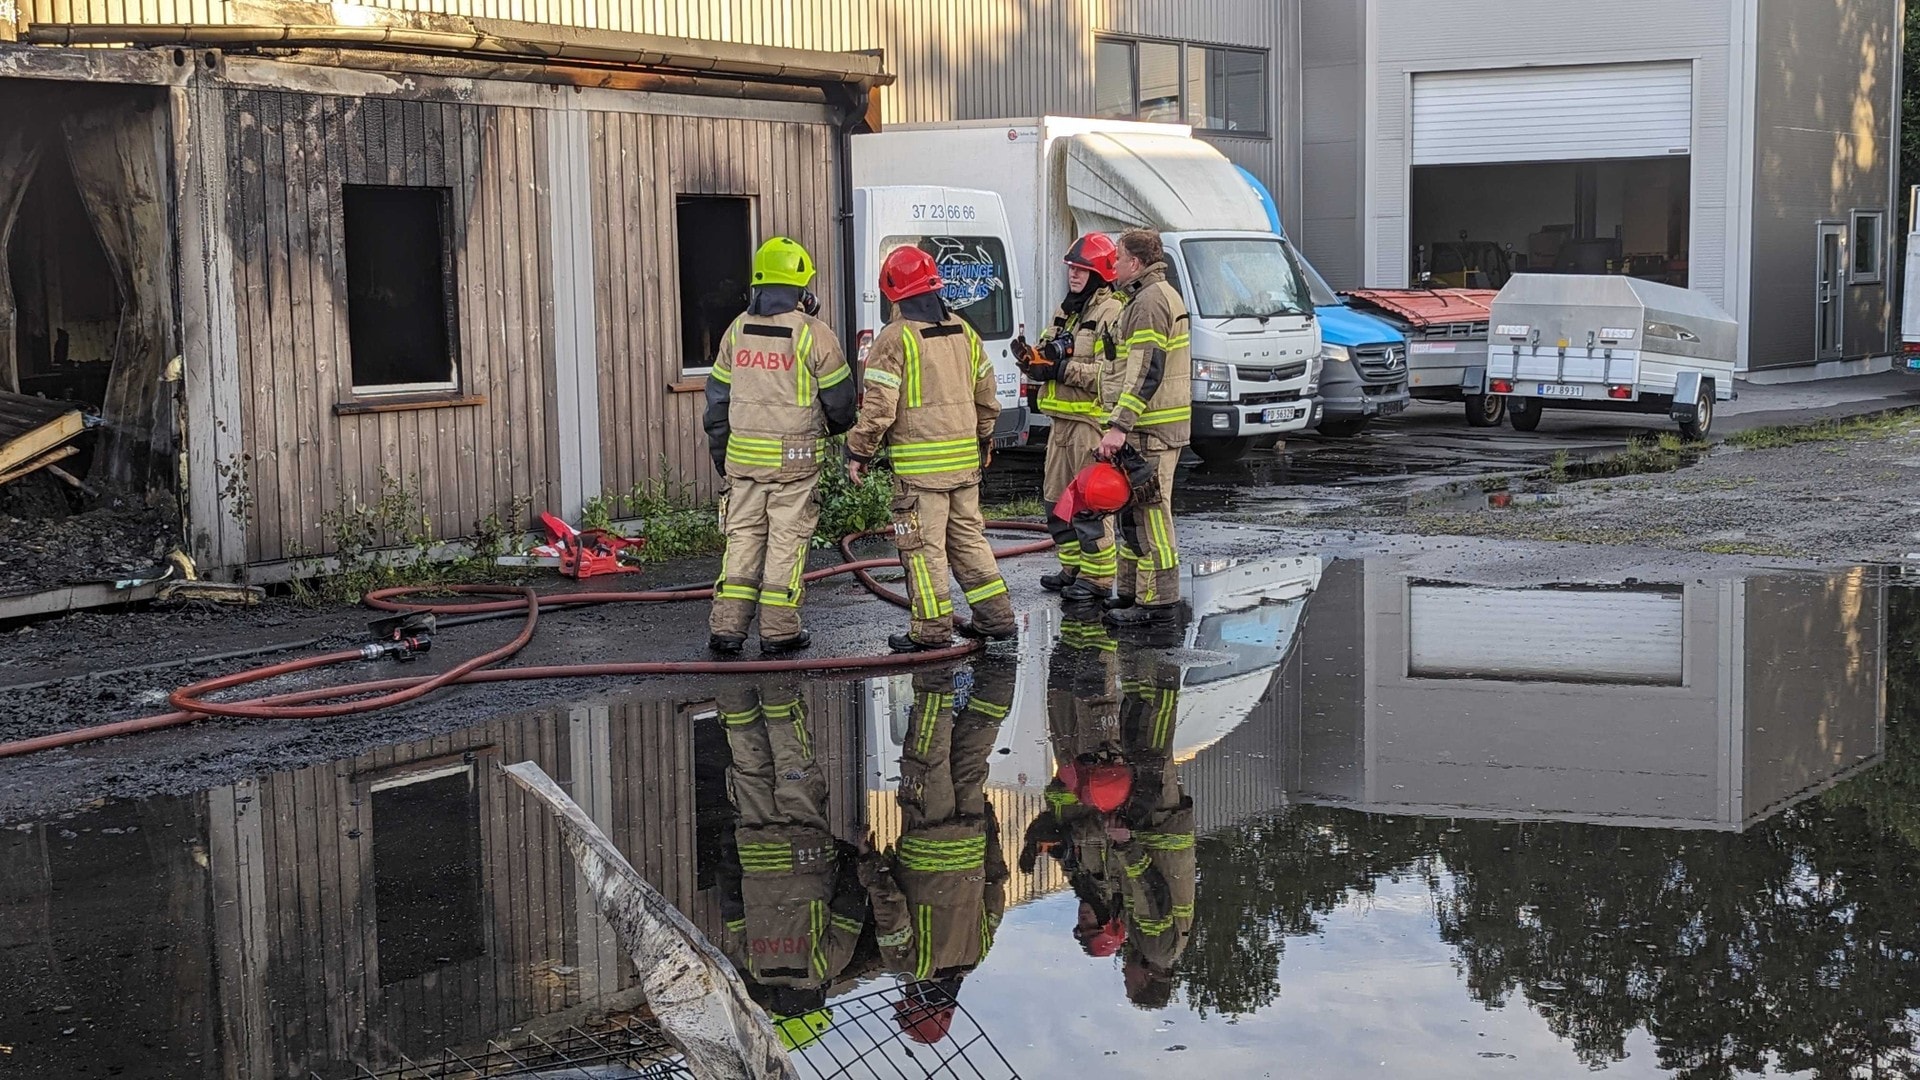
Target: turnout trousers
x,y
769,527
774,779
941,533
1070,448
1149,559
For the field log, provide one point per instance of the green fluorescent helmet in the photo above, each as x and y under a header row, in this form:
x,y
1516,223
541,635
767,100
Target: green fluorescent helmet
x,y
800,1032
782,261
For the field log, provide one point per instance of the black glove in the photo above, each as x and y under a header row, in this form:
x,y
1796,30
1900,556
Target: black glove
x,y
1057,346
1030,363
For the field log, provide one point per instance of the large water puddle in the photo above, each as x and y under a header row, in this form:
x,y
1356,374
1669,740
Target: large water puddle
x,y
1348,821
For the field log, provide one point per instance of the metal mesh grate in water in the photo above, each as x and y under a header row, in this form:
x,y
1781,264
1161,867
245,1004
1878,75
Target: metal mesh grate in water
x,y
864,1041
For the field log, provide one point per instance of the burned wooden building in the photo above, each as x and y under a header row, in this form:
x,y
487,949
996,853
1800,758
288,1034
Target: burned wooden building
x,y
474,264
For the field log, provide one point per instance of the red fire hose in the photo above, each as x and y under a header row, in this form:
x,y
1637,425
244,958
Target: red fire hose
x,y
363,697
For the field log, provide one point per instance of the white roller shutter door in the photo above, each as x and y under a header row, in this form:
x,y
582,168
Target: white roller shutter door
x,y
1553,114
1554,635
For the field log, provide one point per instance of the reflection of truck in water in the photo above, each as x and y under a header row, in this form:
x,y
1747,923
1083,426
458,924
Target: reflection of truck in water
x,y
1255,341
1706,704
1245,618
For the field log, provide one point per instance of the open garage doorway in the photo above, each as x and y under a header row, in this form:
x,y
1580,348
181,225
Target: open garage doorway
x,y
1475,226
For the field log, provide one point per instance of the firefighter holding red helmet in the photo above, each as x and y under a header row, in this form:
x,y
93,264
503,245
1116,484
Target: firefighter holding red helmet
x,y
1067,368
1092,781
929,401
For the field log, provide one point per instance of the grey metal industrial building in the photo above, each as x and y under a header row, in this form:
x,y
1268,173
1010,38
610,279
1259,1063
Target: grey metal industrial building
x,y
1744,148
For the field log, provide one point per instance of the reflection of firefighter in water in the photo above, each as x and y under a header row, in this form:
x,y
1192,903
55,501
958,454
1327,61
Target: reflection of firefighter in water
x,y
1093,780
789,889
1117,819
939,894
1157,822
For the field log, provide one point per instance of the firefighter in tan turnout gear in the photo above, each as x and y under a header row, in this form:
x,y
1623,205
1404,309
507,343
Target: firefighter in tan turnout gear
x,y
790,892
1146,388
1068,370
939,893
779,387
929,401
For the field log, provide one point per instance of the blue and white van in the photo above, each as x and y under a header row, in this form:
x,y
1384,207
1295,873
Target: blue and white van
x,y
1365,369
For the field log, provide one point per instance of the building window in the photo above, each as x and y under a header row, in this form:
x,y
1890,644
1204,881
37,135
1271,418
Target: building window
x,y
1867,235
715,239
400,289
1227,89
1214,89
426,872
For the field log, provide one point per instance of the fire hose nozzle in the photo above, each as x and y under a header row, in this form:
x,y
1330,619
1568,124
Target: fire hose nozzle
x,y
401,650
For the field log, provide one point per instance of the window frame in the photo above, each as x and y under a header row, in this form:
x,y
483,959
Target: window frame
x,y
1186,48
1878,275
688,373
452,389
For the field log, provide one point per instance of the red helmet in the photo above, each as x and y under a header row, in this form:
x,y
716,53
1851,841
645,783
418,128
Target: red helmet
x,y
1095,252
1104,939
1103,488
1105,787
908,271
923,1022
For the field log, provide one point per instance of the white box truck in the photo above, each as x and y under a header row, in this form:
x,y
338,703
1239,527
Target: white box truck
x,y
967,232
1256,345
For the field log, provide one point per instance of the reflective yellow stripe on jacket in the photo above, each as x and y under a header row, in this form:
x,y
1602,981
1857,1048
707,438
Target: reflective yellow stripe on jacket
x,y
945,455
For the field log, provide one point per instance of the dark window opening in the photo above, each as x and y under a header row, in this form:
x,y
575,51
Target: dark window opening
x,y
67,303
713,811
1865,244
426,873
715,238
400,310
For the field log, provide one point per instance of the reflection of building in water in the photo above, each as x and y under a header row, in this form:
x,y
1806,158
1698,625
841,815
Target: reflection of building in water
x,y
1696,704
400,902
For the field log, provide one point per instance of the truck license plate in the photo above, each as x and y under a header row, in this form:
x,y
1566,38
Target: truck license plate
x,y
1913,363
1548,389
1391,408
1280,415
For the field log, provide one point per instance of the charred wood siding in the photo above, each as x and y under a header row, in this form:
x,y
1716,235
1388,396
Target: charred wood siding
x,y
290,154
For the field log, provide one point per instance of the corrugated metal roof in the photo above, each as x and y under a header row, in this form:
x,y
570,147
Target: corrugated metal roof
x,y
1429,307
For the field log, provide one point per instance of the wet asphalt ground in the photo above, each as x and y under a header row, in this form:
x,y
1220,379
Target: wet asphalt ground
x,y
1626,851
1690,856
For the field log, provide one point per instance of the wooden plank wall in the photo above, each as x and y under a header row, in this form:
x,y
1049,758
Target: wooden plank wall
x,y
291,153
639,164
325,1005
293,871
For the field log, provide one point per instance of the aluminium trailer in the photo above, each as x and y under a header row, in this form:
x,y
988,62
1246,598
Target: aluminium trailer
x,y
1609,343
